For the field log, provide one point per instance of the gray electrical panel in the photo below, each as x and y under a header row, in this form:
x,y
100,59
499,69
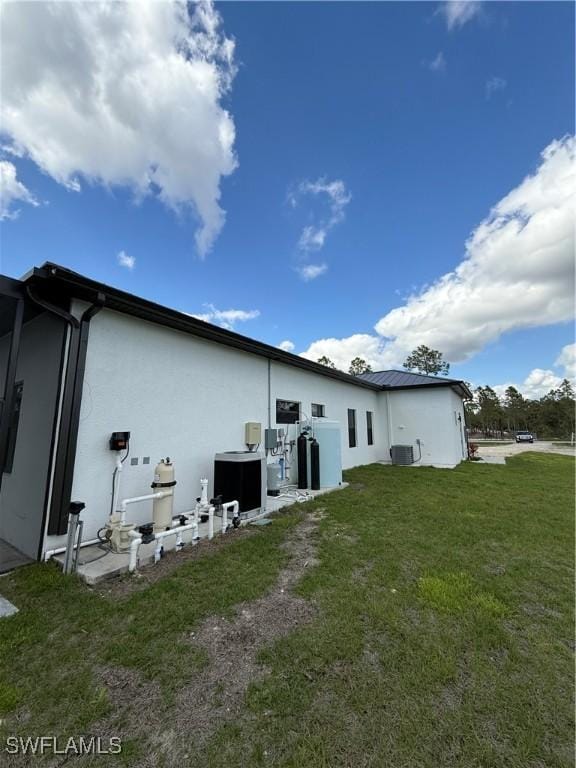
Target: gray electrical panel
x,y
270,439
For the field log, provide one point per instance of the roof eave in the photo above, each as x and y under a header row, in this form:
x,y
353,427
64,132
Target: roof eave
x,y
82,287
457,386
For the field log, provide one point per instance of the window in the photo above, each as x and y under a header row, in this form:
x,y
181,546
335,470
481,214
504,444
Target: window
x,y
13,428
317,410
287,411
351,428
369,428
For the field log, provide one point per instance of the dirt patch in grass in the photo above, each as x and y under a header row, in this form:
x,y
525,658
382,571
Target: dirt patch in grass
x,y
127,584
232,646
361,573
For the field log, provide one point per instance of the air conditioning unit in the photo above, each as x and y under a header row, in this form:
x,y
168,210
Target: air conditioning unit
x,y
241,476
402,455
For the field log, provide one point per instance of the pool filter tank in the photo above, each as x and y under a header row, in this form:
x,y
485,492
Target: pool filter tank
x,y
162,509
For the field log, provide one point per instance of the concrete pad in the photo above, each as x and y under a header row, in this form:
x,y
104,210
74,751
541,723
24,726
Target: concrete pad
x,y
491,460
6,608
487,451
96,564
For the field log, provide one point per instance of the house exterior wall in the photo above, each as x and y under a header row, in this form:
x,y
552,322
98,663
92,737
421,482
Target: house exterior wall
x,y
337,397
430,415
187,398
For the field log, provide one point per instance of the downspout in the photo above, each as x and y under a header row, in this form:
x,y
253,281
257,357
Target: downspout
x,y
389,420
71,402
269,394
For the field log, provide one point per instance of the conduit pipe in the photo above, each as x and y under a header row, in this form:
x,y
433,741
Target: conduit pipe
x,y
117,473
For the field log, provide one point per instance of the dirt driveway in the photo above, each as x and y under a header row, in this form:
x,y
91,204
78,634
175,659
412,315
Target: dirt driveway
x,y
542,446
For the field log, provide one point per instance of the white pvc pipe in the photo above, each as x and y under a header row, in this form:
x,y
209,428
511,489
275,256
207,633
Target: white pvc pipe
x,y
134,545
136,537
60,550
225,509
204,492
210,522
136,499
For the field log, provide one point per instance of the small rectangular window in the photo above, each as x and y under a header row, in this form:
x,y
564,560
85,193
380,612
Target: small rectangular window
x,y
351,428
317,410
369,428
13,428
287,411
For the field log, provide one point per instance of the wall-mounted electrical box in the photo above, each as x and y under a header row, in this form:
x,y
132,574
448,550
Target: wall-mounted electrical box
x,y
252,433
119,441
270,439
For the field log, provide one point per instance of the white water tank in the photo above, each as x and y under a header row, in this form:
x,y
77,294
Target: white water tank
x,y
327,433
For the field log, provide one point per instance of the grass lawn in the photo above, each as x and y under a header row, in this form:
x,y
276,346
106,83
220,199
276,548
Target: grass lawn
x,y
443,634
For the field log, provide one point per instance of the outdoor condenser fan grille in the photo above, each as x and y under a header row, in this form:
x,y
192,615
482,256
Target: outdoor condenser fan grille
x,y
402,454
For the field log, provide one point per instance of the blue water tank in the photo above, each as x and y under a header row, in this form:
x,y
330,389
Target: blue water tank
x,y
327,433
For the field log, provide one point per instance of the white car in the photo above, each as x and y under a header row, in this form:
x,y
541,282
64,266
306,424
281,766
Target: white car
x,y
524,437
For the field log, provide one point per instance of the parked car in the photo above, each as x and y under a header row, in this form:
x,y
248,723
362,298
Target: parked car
x,y
524,437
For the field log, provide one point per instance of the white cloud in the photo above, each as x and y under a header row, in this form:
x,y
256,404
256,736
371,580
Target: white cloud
x,y
311,271
125,94
314,235
458,12
342,351
11,191
226,318
541,380
438,64
537,384
567,360
493,85
129,262
518,272
287,345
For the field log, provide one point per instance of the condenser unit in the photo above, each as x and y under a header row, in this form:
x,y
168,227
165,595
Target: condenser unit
x,y
402,455
241,476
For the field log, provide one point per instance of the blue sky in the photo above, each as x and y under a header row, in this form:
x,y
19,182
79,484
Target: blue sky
x,y
389,130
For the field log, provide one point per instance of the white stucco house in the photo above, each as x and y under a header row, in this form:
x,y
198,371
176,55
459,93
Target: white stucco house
x,y
80,360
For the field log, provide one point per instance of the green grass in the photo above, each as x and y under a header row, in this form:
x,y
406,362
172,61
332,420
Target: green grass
x,y
444,635
50,650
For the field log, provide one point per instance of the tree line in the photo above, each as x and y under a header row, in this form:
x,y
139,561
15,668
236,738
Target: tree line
x,y
546,417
